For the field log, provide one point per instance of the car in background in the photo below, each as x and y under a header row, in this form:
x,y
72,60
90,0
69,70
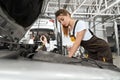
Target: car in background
x,y
42,26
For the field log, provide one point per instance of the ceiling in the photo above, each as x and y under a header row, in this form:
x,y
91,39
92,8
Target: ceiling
x,y
85,9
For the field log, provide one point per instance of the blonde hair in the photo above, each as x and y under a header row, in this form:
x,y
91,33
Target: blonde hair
x,y
62,11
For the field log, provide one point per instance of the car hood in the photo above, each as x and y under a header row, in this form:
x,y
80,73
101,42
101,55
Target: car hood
x,y
17,15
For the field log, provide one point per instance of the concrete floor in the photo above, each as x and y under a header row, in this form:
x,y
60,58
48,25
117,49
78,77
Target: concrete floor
x,y
116,60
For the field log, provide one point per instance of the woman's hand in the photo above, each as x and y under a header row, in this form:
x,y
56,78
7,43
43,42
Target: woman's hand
x,y
43,39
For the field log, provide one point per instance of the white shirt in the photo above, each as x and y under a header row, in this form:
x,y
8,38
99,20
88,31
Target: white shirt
x,y
81,25
31,41
51,46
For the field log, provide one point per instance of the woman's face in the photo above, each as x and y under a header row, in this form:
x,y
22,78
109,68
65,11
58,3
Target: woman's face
x,y
64,20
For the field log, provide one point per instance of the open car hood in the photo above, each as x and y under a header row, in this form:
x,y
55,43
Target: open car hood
x,y
24,12
16,15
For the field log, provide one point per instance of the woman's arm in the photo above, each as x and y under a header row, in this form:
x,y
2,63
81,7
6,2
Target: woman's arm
x,y
50,46
77,42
